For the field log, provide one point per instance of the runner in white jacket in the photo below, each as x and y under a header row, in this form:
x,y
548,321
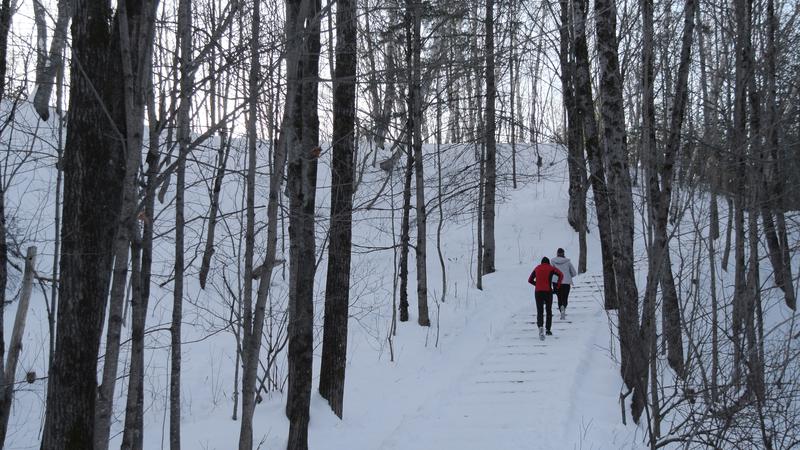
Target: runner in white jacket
x,y
565,266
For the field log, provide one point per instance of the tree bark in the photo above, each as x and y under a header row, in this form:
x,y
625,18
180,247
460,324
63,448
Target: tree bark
x,y
52,63
621,200
15,345
141,263
586,116
94,167
774,191
184,138
251,340
302,138
660,179
739,143
337,287
404,234
491,147
222,160
5,401
576,163
136,27
416,119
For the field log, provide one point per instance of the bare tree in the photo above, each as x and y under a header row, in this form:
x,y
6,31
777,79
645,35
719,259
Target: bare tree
x,y
137,23
184,137
576,162
301,132
5,399
619,186
15,345
489,191
94,167
337,288
414,37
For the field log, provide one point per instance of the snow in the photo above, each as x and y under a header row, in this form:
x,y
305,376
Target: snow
x,y
478,378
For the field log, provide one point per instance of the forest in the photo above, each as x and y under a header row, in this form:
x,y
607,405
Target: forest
x,y
214,210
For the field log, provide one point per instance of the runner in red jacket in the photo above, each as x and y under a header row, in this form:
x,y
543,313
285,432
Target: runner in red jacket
x,y
540,277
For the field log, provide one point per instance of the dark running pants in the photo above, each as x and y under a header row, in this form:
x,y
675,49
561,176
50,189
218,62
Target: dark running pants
x,y
544,299
562,294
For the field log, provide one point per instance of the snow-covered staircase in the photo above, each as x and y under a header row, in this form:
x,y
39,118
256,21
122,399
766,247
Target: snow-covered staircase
x,y
518,392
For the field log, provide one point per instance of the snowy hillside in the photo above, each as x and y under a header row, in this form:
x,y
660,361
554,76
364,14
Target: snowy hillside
x,y
477,378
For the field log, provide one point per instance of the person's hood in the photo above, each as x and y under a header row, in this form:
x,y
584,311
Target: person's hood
x,y
559,260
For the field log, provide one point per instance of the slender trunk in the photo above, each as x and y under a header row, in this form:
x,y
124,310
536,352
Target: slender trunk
x,y
54,61
416,119
479,228
136,21
302,138
739,143
251,340
141,263
337,288
15,345
222,160
51,313
620,194
774,190
576,162
182,117
714,320
5,381
663,168
586,116
728,233
512,95
404,235
440,192
491,147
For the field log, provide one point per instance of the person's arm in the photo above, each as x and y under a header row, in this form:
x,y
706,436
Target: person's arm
x,y
560,277
532,278
572,271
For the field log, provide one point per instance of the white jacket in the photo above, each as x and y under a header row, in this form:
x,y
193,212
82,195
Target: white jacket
x,y
565,266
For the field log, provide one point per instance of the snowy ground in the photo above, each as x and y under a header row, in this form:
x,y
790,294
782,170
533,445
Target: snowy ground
x,y
478,378
490,383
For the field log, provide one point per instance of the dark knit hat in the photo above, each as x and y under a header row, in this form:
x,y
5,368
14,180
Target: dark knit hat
x,y
545,260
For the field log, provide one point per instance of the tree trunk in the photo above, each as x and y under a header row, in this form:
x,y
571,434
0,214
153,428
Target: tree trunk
x,y
404,234
415,104
5,400
251,340
182,117
576,162
222,160
302,138
15,345
739,144
586,116
774,191
252,347
141,263
53,62
662,166
440,192
513,82
337,288
491,147
621,200
136,27
94,167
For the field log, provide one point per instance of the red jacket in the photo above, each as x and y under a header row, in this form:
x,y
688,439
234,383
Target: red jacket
x,y
541,276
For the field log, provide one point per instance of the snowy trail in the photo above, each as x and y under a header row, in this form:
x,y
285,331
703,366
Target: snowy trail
x,y
519,390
